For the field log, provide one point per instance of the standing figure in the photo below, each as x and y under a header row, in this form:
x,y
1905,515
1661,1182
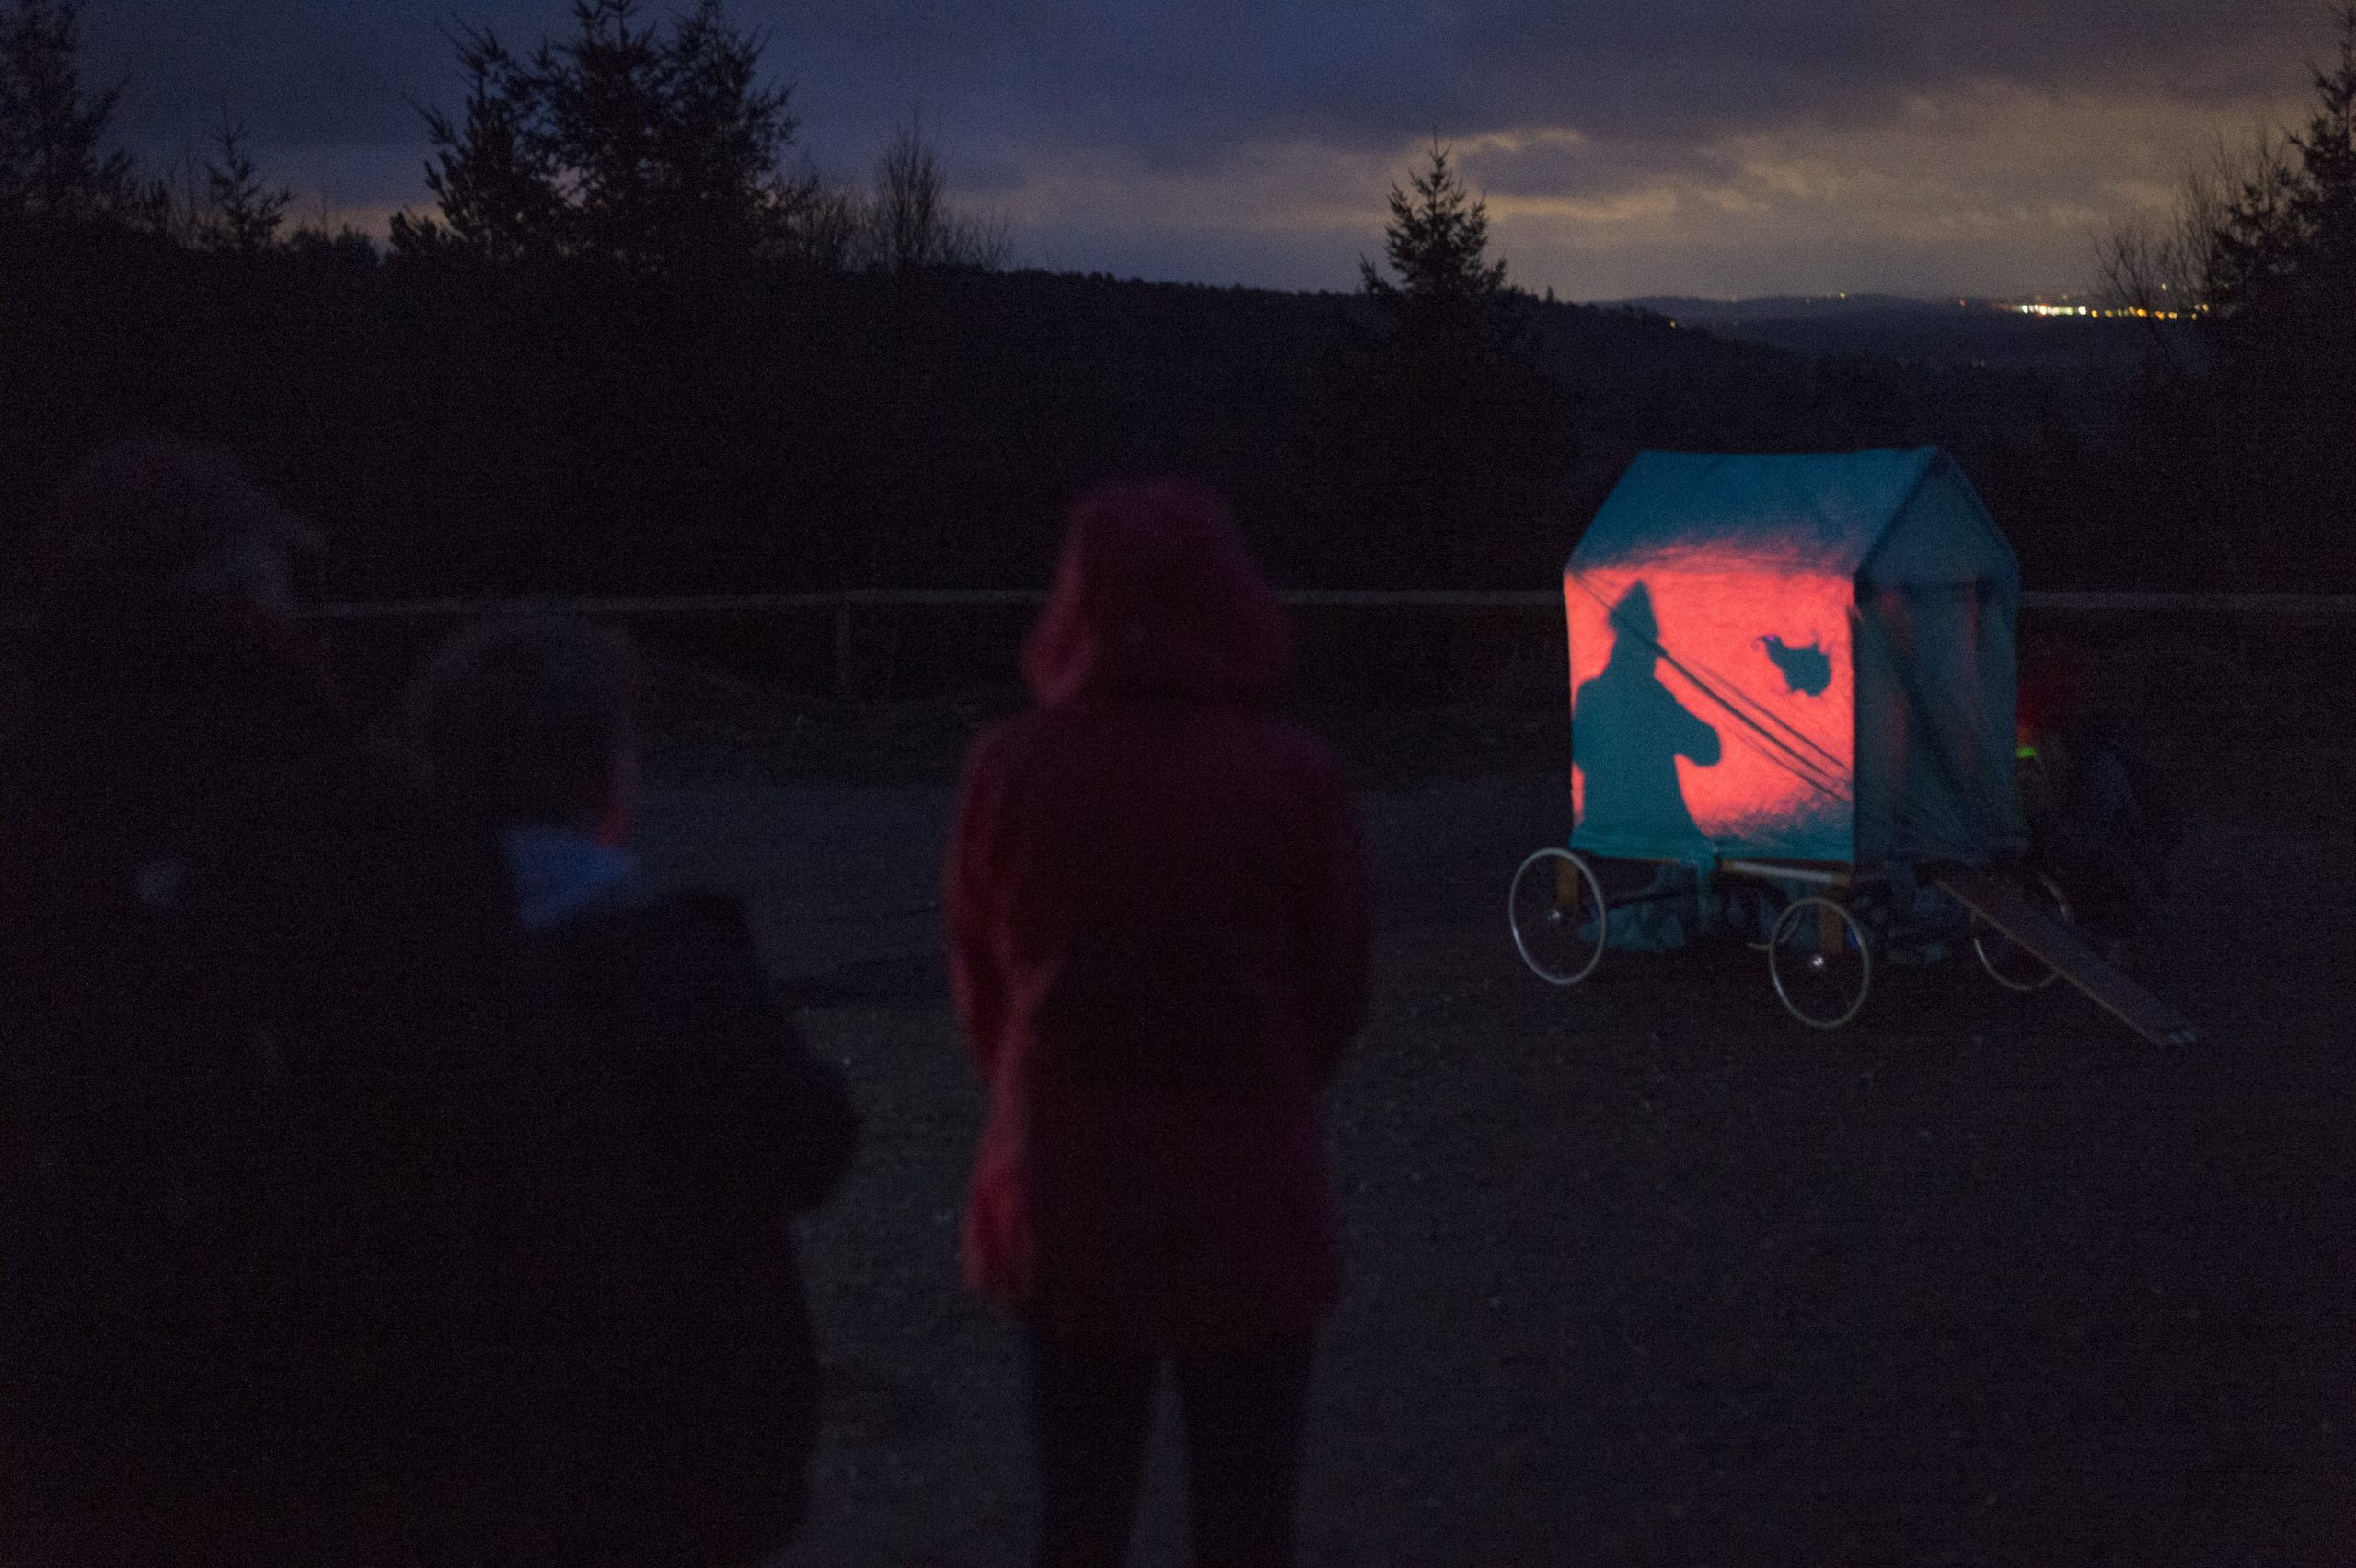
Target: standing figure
x,y
2095,822
631,1379
244,955
1158,935
1628,731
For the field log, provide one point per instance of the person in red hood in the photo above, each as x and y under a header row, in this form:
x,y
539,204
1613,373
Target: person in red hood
x,y
1158,939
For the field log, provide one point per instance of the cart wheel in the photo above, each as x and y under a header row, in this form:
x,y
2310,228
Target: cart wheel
x,y
2007,963
1821,963
1556,910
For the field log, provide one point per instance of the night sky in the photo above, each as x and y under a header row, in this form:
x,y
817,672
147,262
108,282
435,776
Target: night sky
x,y
1626,146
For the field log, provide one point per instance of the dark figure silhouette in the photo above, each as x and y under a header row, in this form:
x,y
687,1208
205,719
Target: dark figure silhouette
x,y
1806,670
2096,821
644,1391
1627,732
245,954
1158,929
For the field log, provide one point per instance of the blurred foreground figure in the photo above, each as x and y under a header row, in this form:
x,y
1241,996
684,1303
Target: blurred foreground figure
x,y
642,1389
1157,934
240,953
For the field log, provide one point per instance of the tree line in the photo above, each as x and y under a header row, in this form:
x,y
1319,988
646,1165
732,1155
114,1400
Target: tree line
x,y
651,147
634,346
2241,419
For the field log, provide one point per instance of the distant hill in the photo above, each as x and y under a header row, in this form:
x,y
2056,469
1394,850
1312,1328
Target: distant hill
x,y
1972,333
1779,308
455,430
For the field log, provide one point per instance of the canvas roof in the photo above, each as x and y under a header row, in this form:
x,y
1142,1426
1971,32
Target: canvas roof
x,y
1823,512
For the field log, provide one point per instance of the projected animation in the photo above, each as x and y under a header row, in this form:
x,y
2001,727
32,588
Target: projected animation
x,y
1712,698
1804,669
1637,780
1797,657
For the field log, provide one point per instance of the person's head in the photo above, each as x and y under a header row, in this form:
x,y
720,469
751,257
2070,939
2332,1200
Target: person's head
x,y
2050,695
533,720
1636,629
1156,594
158,526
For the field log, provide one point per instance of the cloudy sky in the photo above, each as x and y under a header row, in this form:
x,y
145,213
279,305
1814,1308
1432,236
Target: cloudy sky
x,y
1625,146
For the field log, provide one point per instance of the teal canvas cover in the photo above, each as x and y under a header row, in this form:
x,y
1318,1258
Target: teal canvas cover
x,y
1793,657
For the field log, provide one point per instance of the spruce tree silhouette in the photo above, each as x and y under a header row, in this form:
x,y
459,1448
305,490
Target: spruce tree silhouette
x,y
53,160
1440,434
2279,272
657,150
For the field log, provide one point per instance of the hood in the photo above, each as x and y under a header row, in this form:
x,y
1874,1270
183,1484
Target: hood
x,y
154,525
1156,596
2049,685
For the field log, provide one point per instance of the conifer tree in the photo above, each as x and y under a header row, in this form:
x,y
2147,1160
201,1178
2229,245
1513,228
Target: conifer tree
x,y
53,160
1440,434
1436,242
2281,268
655,149
242,213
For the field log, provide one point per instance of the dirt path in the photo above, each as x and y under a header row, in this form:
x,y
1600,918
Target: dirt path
x,y
1644,1275
844,880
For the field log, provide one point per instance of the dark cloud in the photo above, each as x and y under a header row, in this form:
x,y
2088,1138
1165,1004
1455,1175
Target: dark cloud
x,y
1660,105
1180,83
1185,80
323,71
1585,167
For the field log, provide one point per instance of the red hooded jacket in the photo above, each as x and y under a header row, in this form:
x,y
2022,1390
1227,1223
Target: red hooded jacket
x,y
1158,935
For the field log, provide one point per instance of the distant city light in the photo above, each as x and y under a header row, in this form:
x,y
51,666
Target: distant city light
x,y
2100,312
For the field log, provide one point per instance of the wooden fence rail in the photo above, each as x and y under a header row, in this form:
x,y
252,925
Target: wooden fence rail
x,y
2305,607
872,643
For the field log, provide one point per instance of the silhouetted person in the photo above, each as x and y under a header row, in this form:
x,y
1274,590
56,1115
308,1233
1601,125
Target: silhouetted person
x,y
234,937
1158,937
2094,821
1628,729
642,1384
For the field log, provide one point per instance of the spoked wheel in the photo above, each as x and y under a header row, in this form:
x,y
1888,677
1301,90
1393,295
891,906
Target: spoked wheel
x,y
1556,910
2007,963
1821,963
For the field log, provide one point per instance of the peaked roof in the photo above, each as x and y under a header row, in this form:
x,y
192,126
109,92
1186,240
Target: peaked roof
x,y
1818,512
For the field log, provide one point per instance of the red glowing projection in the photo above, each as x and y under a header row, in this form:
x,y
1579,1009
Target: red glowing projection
x,y
1713,699
1801,656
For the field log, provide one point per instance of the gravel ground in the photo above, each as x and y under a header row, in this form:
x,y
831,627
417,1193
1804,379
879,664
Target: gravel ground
x,y
1643,1272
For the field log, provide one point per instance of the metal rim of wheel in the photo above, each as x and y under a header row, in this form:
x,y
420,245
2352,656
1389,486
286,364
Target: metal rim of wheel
x,y
1552,926
1818,968
2021,978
